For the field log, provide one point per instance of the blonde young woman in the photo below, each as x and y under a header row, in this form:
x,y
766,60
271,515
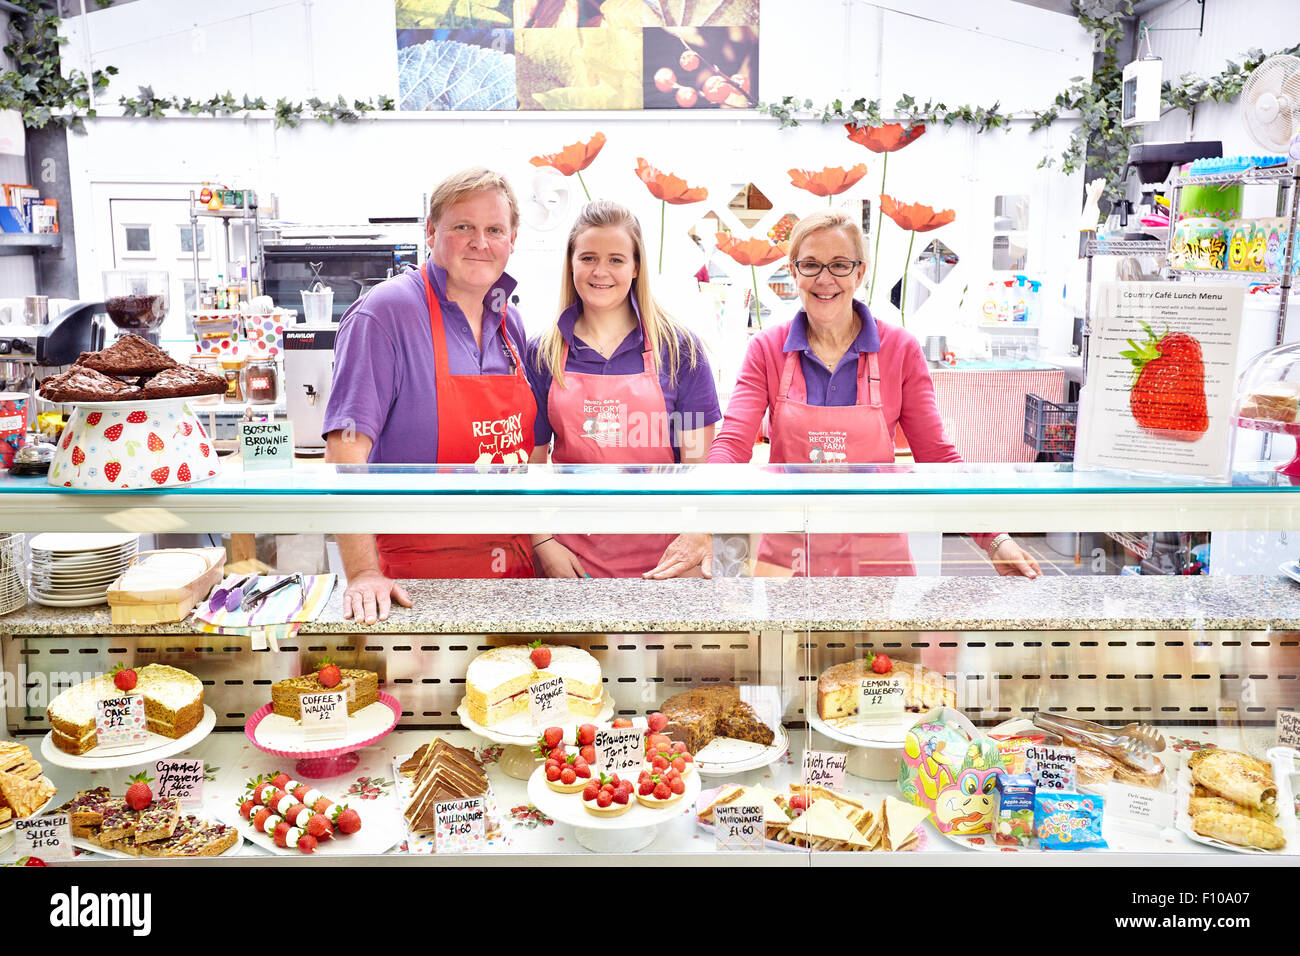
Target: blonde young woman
x,y
617,381
837,383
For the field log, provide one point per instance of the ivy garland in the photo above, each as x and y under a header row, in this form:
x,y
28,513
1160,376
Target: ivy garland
x,y
287,112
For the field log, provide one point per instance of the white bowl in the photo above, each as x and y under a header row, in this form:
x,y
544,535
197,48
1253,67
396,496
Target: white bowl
x,y
133,444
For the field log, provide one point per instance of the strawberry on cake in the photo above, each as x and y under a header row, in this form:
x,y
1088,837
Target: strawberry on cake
x,y
659,788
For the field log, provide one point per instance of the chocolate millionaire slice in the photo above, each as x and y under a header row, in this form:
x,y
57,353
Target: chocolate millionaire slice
x,y
129,355
80,384
182,381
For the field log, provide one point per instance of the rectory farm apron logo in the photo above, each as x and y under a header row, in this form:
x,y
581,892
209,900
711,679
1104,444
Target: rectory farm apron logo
x,y
828,446
602,421
500,440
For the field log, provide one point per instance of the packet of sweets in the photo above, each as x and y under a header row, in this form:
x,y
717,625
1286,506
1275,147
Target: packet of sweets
x,y
1068,821
1014,823
1012,747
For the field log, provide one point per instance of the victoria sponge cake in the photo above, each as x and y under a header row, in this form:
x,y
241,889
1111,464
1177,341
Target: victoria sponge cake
x,y
173,706
496,684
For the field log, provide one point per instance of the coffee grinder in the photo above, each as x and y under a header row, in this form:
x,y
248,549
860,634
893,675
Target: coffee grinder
x,y
137,300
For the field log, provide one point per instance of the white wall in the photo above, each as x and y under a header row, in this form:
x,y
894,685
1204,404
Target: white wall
x,y
976,52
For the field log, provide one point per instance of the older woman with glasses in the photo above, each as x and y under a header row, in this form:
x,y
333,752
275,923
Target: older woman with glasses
x,y
837,383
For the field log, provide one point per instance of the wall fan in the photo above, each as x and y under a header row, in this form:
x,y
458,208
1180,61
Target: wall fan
x,y
1270,103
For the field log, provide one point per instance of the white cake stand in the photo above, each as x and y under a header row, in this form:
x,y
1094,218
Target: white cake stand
x,y
875,750
626,833
519,734
155,748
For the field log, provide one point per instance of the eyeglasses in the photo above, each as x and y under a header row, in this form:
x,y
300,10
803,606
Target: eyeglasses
x,y
811,268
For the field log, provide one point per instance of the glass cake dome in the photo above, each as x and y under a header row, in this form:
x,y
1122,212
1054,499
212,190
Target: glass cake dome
x,y
1268,395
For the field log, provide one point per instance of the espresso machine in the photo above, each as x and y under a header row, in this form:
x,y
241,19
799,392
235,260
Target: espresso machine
x,y
33,345
308,374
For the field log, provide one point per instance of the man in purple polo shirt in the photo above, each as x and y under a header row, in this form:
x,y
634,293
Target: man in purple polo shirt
x,y
426,366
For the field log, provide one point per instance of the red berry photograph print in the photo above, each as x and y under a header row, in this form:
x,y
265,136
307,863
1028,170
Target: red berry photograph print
x,y
1167,394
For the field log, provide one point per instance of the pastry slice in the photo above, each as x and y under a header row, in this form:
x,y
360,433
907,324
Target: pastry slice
x,y
901,820
85,810
157,821
823,826
1239,830
186,829
1240,778
727,794
17,759
215,839
25,796
1203,804
128,355
119,822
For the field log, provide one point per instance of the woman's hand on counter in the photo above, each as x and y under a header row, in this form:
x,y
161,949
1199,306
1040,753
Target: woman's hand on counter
x,y
1010,559
687,556
369,597
557,561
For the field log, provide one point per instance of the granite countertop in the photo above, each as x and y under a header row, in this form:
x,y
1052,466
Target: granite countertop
x,y
742,605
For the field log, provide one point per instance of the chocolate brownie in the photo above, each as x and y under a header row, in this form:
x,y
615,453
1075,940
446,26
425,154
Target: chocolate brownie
x,y
80,384
183,381
129,355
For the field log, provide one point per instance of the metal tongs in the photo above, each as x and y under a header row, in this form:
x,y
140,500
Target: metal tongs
x,y
1135,744
257,597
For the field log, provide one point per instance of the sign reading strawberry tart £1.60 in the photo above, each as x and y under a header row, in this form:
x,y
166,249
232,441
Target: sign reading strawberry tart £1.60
x,y
619,749
120,721
460,825
325,715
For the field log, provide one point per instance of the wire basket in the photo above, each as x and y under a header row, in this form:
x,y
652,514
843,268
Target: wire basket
x,y
1050,426
13,579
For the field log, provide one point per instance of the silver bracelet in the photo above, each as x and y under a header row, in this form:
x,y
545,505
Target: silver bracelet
x,y
997,542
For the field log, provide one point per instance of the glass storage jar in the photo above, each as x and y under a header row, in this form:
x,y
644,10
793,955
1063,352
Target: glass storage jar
x,y
260,381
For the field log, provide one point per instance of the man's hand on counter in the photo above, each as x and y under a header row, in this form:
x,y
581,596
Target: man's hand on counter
x,y
1010,559
687,556
369,597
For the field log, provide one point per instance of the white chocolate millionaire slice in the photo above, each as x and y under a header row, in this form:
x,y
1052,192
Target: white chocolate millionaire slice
x,y
825,821
900,819
496,682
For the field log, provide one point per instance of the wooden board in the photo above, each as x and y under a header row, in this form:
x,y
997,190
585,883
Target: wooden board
x,y
163,605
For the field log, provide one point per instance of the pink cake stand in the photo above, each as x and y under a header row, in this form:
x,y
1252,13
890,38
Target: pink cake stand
x,y
331,760
1292,467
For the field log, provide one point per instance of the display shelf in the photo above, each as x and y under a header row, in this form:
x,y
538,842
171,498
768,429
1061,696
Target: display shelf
x,y
324,498
1124,247
1269,175
1220,274
25,243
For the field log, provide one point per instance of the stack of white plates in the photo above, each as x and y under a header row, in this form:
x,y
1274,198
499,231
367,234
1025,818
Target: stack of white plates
x,y
75,570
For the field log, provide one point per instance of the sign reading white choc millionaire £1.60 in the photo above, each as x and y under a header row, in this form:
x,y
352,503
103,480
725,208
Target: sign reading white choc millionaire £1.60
x,y
738,827
547,703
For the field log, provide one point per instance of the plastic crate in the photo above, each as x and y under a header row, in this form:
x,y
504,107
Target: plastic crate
x,y
1050,426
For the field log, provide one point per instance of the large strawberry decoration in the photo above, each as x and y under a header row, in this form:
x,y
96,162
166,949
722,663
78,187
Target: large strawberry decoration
x,y
203,447
78,457
159,475
93,418
136,417
113,432
112,469
155,443
183,473
1167,397
67,438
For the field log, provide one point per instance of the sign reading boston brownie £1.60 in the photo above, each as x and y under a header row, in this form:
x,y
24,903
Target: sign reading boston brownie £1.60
x,y
266,445
324,716
120,721
547,703
460,825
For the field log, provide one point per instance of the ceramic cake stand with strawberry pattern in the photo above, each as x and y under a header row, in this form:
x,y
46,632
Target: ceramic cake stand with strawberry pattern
x,y
1292,467
140,445
283,737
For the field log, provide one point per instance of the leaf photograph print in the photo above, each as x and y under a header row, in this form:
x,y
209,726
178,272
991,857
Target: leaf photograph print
x,y
454,14
456,70
580,69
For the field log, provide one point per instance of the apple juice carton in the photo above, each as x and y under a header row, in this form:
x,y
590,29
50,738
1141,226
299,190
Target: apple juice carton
x,y
1014,825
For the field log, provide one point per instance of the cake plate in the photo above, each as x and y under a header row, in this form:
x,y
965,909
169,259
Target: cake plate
x,y
627,833
1292,467
876,749
519,734
723,756
155,748
282,736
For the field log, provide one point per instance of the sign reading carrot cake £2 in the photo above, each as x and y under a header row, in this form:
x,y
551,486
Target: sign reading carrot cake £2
x,y
120,721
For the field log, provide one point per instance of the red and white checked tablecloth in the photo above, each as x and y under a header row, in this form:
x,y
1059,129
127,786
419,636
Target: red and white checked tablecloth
x,y
983,411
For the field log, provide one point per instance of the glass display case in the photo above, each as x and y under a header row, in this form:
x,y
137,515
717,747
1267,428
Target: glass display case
x,y
784,697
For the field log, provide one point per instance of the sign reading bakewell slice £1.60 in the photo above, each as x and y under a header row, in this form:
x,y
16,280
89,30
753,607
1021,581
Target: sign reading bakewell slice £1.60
x,y
1288,729
324,716
460,826
120,721
880,700
548,705
824,768
47,837
620,749
738,827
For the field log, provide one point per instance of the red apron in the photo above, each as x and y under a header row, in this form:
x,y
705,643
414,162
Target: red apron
x,y
616,420
854,434
482,419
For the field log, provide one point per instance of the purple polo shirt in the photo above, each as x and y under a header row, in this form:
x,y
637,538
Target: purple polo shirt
x,y
383,363
825,387
691,403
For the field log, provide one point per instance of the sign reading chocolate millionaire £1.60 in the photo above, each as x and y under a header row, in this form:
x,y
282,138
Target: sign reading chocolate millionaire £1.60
x,y
619,749
880,700
324,715
1053,768
48,837
120,721
179,779
460,825
1288,729
824,768
738,827
547,702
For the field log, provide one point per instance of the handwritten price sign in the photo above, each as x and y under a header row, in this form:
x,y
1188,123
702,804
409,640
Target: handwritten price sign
x,y
738,827
119,721
48,837
324,716
1288,729
619,749
880,700
547,704
460,826
1053,768
179,779
824,768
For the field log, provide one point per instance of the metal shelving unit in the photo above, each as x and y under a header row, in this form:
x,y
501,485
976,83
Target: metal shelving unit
x,y
246,216
27,243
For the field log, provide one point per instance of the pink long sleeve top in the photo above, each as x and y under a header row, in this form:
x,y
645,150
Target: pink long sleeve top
x,y
907,391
